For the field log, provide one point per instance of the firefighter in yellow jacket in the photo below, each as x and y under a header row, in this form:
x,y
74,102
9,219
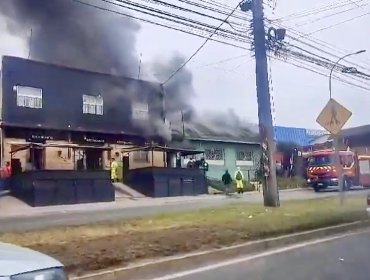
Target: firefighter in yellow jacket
x,y
114,170
239,178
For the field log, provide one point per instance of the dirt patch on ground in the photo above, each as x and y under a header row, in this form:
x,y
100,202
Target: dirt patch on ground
x,y
100,246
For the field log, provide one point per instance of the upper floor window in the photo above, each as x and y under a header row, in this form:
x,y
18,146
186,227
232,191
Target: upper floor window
x,y
92,104
214,154
244,155
140,111
29,97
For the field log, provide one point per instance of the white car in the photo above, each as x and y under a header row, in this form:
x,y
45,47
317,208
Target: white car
x,y
18,263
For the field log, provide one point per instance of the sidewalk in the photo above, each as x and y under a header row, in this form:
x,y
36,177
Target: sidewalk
x,y
11,207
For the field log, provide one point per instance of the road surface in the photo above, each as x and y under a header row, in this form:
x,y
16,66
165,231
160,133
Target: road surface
x,y
43,217
340,259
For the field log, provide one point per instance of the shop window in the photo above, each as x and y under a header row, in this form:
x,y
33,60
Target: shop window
x,y
92,104
244,156
214,154
29,97
141,156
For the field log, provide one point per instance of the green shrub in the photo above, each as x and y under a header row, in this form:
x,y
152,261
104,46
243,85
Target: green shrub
x,y
291,183
218,185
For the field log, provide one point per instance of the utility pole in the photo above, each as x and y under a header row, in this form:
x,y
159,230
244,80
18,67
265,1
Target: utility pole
x,y
270,188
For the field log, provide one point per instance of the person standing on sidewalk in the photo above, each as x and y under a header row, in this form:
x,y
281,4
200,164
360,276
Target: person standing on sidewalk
x,y
114,170
239,178
227,180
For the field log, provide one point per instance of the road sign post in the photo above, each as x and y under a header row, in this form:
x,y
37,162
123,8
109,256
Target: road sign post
x,y
333,117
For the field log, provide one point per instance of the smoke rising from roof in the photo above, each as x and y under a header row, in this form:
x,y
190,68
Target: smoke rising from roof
x,y
70,34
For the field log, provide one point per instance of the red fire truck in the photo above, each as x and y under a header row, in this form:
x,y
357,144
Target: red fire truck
x,y
322,173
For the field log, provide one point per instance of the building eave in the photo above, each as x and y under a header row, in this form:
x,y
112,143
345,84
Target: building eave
x,y
224,141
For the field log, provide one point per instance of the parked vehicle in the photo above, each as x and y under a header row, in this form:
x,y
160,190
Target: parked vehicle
x,y
18,263
368,204
322,173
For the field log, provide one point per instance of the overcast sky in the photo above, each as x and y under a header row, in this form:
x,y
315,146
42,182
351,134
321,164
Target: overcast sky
x,y
299,95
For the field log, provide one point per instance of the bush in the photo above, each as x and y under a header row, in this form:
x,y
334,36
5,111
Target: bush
x,y
218,185
291,183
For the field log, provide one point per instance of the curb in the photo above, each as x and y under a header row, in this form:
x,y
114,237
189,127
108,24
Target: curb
x,y
171,265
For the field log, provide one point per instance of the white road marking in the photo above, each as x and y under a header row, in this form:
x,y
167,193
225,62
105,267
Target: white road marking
x,y
252,257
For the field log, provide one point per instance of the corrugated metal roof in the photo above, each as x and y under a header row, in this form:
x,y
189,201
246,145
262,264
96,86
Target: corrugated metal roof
x,y
299,136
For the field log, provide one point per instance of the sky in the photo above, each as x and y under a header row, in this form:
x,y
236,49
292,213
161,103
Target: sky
x,y
224,76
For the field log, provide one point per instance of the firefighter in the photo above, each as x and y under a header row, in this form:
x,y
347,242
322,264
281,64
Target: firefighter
x,y
114,170
239,178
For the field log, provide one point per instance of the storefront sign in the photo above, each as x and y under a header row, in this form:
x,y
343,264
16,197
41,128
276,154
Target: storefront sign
x,y
94,140
39,138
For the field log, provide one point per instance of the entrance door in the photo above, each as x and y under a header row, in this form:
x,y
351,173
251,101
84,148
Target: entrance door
x,y
93,158
125,167
37,156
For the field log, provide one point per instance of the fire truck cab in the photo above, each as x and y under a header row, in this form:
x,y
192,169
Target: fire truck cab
x,y
322,173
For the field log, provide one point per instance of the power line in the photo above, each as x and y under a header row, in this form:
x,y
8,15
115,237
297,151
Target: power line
x,y
163,15
316,61
161,24
320,73
339,23
331,15
222,61
305,13
201,46
321,44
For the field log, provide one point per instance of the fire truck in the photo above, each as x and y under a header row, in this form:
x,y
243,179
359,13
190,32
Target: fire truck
x,y
322,173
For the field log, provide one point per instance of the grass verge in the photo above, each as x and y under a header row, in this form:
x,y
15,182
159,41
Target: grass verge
x,y
99,246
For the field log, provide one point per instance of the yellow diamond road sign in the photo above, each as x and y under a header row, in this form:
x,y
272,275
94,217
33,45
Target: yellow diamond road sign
x,y
333,117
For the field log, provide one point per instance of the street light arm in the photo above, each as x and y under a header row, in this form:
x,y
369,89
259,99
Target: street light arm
x,y
336,63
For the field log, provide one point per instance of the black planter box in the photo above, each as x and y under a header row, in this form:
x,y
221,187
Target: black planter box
x,y
58,187
165,182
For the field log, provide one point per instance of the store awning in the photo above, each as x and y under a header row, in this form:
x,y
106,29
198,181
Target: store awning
x,y
17,147
158,148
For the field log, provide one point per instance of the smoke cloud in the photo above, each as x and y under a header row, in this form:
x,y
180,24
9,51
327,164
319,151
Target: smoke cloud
x,y
71,34
68,33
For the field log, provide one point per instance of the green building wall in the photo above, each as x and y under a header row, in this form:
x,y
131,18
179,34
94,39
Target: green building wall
x,y
230,158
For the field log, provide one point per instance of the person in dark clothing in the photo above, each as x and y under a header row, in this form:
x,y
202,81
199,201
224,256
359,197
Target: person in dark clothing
x,y
227,180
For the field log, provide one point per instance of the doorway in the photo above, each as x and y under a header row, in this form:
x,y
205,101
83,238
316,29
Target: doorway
x,y
37,158
93,159
125,167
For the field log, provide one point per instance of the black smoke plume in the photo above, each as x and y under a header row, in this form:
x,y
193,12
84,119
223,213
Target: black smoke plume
x,y
68,33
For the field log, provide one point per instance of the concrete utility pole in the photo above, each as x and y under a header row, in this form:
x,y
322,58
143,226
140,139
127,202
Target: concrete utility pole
x,y
270,188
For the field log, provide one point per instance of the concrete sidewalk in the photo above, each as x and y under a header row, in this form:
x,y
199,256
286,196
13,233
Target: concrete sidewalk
x,y
12,207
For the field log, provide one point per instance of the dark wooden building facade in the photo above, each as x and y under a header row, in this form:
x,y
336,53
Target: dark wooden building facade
x,y
45,103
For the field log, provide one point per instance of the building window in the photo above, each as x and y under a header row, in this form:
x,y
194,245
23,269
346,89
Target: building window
x,y
140,111
244,156
141,156
29,97
92,104
214,154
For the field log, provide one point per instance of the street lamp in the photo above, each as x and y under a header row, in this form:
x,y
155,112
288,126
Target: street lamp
x,y
336,63
348,70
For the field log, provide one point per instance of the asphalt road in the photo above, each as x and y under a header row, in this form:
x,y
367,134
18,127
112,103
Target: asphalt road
x,y
340,259
91,215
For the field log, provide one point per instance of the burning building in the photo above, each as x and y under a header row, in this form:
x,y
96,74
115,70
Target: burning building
x,y
58,118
